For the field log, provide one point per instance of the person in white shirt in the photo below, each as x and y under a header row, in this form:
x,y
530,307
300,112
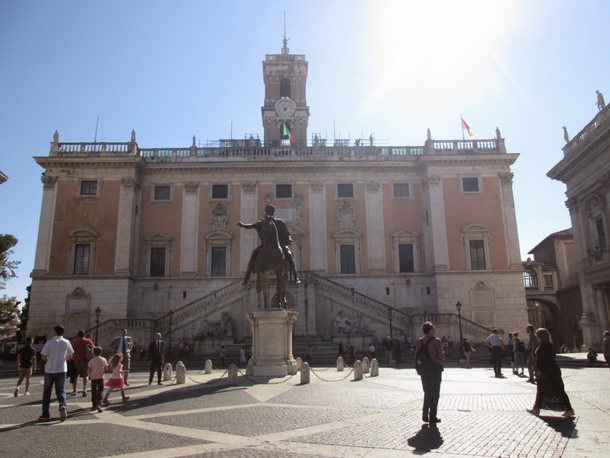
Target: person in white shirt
x,y
55,353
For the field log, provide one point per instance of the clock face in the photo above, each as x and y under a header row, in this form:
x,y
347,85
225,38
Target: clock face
x,y
284,108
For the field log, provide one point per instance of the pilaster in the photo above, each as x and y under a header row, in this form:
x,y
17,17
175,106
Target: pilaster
x,y
45,227
375,228
125,226
189,230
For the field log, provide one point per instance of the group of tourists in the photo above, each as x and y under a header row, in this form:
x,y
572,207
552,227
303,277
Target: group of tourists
x,y
537,353
89,364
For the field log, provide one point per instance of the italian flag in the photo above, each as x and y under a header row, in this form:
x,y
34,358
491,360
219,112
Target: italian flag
x,y
286,133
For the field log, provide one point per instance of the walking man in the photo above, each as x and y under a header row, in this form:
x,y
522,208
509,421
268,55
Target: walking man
x,y
432,373
123,344
26,362
79,346
156,354
55,353
495,342
532,344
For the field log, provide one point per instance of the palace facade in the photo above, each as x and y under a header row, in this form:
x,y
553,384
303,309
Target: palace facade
x,y
383,236
585,170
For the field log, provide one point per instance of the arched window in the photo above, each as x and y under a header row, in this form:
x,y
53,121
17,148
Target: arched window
x,y
285,88
530,280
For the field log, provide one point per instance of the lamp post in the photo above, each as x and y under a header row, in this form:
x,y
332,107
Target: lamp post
x,y
98,311
169,346
458,306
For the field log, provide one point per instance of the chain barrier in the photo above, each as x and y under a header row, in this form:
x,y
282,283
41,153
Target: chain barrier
x,y
337,380
288,377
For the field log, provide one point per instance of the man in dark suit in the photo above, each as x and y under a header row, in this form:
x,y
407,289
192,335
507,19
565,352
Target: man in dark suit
x,y
156,354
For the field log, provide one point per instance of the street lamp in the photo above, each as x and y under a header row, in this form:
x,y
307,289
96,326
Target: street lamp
x,y
458,306
169,347
97,322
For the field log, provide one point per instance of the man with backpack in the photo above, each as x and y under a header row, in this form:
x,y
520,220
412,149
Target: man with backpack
x,y
429,359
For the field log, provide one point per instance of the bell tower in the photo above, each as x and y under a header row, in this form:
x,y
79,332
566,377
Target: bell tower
x,y
285,112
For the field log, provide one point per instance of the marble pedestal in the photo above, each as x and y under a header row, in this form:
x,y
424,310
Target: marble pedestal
x,y
272,343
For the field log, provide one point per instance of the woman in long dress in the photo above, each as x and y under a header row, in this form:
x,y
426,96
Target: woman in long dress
x,y
550,392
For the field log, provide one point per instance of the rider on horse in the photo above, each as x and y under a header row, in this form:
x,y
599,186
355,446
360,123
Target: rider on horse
x,y
284,239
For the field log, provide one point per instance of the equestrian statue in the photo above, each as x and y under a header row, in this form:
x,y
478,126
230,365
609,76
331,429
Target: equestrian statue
x,y
273,256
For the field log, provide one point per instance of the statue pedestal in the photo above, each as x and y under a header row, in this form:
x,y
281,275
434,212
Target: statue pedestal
x,y
272,343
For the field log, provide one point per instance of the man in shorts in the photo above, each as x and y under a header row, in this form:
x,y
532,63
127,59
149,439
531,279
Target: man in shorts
x,y
80,360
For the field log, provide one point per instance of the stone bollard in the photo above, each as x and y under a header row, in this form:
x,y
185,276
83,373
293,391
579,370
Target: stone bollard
x,y
299,363
374,368
208,366
180,373
365,365
167,372
340,364
232,374
357,370
305,373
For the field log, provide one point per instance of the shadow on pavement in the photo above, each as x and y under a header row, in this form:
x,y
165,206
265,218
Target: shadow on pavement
x,y
427,438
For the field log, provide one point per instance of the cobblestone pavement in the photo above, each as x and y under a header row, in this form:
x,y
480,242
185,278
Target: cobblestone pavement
x,y
333,416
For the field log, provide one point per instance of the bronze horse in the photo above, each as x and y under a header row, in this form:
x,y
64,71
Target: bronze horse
x,y
271,261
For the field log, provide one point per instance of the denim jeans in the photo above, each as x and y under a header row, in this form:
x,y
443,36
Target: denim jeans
x,y
59,379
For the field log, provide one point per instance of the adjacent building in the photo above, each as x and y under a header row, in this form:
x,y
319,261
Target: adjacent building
x,y
585,169
552,289
385,236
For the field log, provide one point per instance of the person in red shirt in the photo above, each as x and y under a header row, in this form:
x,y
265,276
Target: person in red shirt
x,y
80,360
431,377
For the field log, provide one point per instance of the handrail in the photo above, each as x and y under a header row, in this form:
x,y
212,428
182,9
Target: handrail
x,y
374,305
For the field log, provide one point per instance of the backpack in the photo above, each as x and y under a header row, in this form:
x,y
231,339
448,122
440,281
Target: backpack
x,y
423,362
89,353
520,346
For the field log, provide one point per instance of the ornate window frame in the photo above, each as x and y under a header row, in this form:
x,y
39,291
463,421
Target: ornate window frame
x,y
218,238
476,232
405,237
159,241
347,236
83,236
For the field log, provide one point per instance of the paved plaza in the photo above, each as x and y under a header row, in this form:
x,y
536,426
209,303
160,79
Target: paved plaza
x,y
333,416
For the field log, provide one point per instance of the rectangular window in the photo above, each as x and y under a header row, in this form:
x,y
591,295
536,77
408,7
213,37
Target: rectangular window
x,y
470,184
401,189
219,261
157,262
345,191
161,192
88,188
477,255
283,191
348,259
548,281
220,191
405,258
82,256
601,234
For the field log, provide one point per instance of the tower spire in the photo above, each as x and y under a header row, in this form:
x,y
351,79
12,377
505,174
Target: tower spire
x,y
285,49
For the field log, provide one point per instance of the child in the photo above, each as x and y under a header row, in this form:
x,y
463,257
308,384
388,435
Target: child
x,y
26,362
96,368
116,381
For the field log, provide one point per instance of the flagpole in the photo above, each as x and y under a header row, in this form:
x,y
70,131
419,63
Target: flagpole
x,y
462,126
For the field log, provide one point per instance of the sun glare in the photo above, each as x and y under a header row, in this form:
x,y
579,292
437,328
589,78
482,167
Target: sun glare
x,y
443,50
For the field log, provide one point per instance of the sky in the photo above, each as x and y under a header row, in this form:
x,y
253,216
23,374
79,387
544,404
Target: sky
x,y
171,70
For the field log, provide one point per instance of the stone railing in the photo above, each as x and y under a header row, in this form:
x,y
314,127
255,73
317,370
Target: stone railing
x,y
445,147
470,328
590,129
378,308
193,308
318,153
241,150
93,149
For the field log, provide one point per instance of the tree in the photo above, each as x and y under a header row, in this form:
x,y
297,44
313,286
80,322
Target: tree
x,y
9,316
7,266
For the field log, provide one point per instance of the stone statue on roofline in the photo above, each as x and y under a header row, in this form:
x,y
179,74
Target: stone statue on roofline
x,y
566,137
601,104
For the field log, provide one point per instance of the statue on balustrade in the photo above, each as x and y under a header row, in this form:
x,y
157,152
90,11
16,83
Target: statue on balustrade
x,y
601,104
